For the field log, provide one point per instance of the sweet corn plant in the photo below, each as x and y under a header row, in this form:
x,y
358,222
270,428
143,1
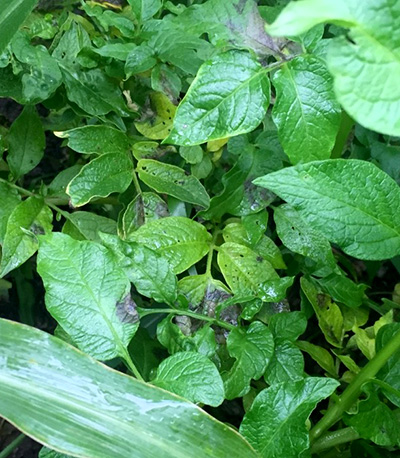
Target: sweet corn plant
x,y
200,227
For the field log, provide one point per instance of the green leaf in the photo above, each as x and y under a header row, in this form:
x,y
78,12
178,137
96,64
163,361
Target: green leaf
x,y
88,294
334,197
12,16
306,111
277,417
390,372
87,399
252,350
104,175
298,17
246,272
191,154
320,355
172,180
287,326
343,290
86,225
96,140
26,142
181,241
41,74
192,376
330,318
9,200
145,9
228,97
174,340
236,233
143,208
375,421
139,60
287,364
368,56
47,453
236,23
146,269
28,218
160,123
299,237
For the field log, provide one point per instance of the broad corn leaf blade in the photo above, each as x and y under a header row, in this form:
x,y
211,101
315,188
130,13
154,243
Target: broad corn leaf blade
x,y
77,406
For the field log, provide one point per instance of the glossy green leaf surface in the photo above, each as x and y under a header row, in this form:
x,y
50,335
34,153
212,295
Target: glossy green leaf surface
x,y
334,197
89,399
28,219
172,180
252,351
108,173
306,111
369,56
276,420
85,291
229,96
146,269
86,225
180,240
192,376
287,364
12,16
301,238
245,271
26,142
96,140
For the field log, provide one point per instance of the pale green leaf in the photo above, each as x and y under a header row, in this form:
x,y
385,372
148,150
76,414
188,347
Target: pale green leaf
x,y
172,180
306,111
12,16
28,219
97,412
229,96
253,350
351,202
192,376
88,294
96,139
330,318
277,417
180,240
107,173
320,355
145,9
26,142
246,272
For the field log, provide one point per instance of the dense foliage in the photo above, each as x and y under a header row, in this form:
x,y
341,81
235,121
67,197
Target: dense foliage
x,y
203,195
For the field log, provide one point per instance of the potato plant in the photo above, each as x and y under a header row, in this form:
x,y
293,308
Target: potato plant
x,y
200,227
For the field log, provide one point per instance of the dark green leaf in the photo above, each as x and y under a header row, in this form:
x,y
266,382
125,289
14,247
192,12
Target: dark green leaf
x,y
276,420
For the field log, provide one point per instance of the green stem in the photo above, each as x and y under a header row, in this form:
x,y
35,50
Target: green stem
x,y
136,183
385,386
126,357
335,438
11,447
198,316
346,126
352,392
211,252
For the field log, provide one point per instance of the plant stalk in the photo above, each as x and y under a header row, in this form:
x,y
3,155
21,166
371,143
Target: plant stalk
x,y
335,438
198,316
11,447
352,392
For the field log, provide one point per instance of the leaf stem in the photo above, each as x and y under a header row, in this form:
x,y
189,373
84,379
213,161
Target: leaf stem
x,y
335,438
352,392
198,316
136,183
11,447
126,358
211,252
